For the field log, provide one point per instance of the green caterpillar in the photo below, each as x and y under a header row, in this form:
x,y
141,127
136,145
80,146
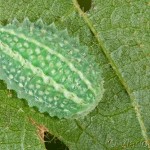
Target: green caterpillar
x,y
50,69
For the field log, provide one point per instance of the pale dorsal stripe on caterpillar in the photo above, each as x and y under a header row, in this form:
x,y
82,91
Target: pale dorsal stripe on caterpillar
x,y
62,58
39,72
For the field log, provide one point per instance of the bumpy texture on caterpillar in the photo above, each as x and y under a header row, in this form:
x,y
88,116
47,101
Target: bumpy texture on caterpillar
x,y
50,69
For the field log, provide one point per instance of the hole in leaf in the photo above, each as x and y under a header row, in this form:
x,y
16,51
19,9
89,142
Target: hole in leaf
x,y
51,142
54,143
85,5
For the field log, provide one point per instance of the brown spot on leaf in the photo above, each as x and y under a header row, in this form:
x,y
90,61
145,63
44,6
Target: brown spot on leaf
x,y
41,129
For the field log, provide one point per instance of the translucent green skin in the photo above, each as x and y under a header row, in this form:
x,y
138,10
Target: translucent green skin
x,y
49,69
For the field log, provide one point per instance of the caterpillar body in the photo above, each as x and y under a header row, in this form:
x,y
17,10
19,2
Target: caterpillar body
x,y
50,69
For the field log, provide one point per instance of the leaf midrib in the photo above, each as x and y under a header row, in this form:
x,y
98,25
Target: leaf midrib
x,y
115,68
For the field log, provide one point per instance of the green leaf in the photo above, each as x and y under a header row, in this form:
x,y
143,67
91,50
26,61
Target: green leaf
x,y
117,32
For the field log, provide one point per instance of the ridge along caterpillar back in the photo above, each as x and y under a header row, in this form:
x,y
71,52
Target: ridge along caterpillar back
x,y
50,69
